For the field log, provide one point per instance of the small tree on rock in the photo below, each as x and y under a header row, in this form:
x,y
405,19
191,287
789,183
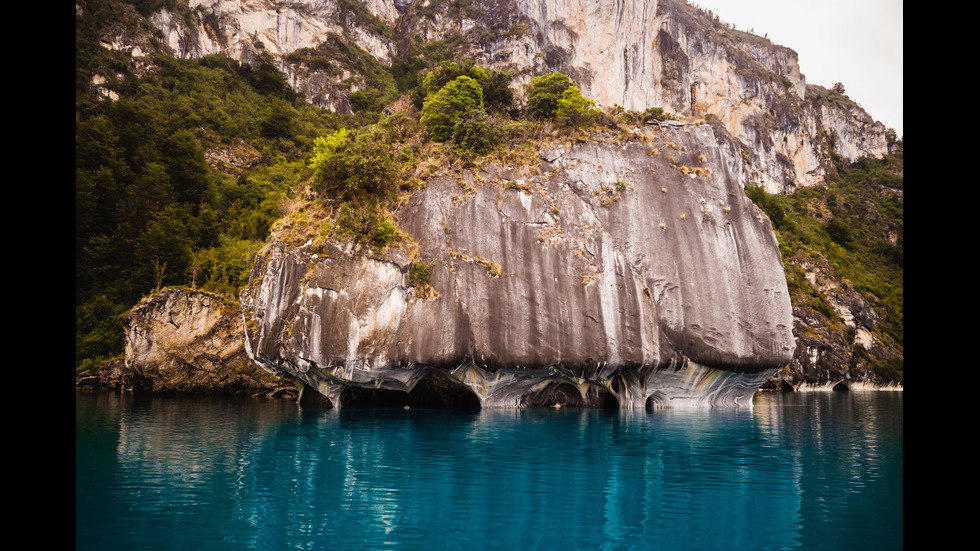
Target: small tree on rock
x,y
347,165
452,101
575,110
545,93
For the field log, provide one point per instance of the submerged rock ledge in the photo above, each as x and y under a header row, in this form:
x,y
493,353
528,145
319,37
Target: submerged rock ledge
x,y
630,274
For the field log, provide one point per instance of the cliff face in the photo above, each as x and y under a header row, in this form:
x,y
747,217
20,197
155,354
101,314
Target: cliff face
x,y
650,53
577,292
668,54
635,274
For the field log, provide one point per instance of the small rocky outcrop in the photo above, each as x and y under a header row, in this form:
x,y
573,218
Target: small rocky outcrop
x,y
111,376
191,342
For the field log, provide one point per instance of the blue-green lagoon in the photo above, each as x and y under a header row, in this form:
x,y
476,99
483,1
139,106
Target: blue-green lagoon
x,y
814,470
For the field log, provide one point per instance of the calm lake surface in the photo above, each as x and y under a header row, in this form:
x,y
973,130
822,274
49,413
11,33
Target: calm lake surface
x,y
806,470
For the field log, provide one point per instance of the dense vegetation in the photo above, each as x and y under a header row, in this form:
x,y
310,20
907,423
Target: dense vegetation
x,y
150,209
854,228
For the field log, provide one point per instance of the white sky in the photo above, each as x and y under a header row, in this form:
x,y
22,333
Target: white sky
x,y
858,43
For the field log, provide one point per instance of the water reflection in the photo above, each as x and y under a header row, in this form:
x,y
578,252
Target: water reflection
x,y
796,470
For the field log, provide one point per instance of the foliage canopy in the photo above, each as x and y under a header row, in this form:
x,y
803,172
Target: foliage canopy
x,y
545,93
346,165
575,110
449,104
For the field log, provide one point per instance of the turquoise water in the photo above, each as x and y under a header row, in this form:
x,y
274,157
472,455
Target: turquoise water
x,y
808,471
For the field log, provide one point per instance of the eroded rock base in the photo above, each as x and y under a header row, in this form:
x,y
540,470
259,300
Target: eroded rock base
x,y
469,386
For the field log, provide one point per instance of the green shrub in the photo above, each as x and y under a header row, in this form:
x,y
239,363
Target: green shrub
x,y
474,133
574,109
99,334
445,73
346,166
839,232
452,101
418,273
359,101
545,93
497,95
893,369
656,113
382,234
770,204
365,223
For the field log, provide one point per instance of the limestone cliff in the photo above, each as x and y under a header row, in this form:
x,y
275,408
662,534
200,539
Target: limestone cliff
x,y
667,291
647,53
635,273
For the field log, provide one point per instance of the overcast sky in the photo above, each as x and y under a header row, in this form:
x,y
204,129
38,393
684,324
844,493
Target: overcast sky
x,y
858,43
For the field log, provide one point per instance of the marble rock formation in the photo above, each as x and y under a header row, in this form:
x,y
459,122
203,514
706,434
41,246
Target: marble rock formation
x,y
631,274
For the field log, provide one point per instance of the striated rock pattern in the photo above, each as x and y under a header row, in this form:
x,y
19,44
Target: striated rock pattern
x,y
631,274
665,53
243,30
187,341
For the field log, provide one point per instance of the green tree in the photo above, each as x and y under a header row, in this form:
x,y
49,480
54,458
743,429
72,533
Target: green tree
x,y
185,164
99,333
163,250
839,232
452,101
346,166
279,121
497,94
359,101
545,93
269,80
448,72
574,109
498,97
474,133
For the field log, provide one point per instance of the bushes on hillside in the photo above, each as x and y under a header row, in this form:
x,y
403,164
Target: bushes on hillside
x,y
554,97
545,93
497,95
575,110
347,166
444,108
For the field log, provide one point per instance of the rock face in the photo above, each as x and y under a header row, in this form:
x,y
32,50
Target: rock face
x,y
631,274
187,341
638,54
666,53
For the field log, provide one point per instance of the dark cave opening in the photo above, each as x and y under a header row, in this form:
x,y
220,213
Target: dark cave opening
x,y
432,392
